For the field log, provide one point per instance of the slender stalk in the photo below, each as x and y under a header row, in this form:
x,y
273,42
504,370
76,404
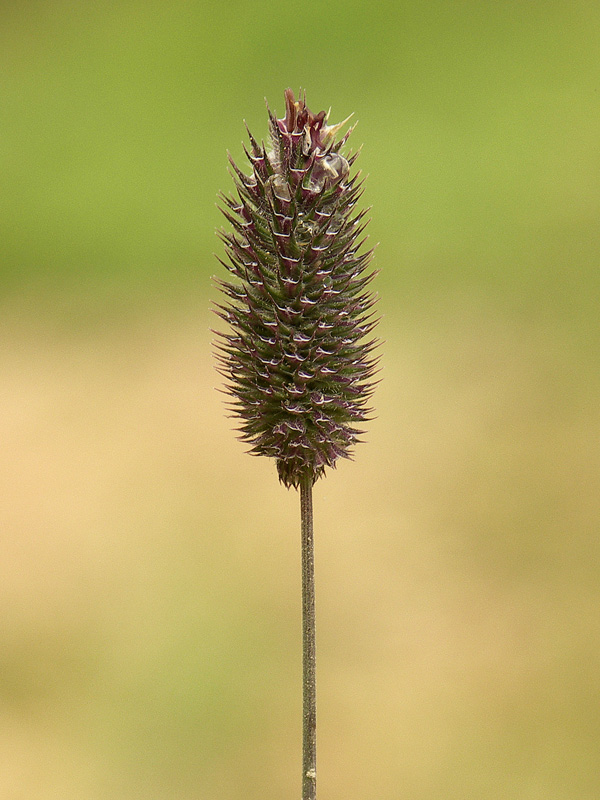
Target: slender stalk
x,y
309,687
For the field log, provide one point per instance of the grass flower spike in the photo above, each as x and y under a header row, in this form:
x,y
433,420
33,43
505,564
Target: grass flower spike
x,y
296,359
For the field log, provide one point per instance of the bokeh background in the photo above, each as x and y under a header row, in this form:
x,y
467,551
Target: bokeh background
x,y
149,569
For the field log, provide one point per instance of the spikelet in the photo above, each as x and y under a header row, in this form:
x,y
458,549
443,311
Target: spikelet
x,y
297,357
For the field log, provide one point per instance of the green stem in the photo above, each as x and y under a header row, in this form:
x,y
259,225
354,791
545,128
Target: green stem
x,y
309,687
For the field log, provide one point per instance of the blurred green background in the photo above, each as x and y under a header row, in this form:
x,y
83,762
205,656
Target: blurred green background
x,y
149,570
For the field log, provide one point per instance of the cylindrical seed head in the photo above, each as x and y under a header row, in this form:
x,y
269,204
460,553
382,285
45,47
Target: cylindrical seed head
x,y
297,357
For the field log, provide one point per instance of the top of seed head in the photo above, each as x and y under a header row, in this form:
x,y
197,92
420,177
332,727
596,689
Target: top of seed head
x,y
296,361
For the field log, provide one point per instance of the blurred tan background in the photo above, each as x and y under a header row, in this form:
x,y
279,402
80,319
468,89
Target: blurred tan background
x,y
149,569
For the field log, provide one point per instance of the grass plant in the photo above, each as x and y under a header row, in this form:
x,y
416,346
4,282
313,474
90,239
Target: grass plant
x,y
297,356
